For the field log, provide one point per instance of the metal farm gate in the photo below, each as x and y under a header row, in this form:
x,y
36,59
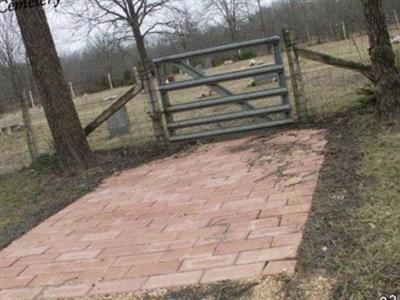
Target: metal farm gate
x,y
261,117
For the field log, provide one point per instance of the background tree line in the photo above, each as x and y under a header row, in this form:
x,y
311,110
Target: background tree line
x,y
187,29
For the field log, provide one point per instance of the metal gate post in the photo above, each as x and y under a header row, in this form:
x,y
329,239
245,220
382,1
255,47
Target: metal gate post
x,y
154,106
276,49
296,76
165,101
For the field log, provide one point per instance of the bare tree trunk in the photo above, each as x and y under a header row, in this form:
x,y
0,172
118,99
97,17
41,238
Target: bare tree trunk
x,y
263,27
139,38
293,13
232,30
383,58
147,77
306,20
72,149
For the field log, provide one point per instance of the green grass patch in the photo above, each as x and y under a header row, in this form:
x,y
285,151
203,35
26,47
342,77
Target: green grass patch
x,y
375,263
353,236
351,242
29,196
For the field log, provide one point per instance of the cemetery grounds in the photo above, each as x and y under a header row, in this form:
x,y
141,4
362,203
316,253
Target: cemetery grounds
x,y
350,246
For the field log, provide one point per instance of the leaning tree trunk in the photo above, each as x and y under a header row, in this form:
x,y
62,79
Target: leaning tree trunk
x,y
383,58
72,149
147,78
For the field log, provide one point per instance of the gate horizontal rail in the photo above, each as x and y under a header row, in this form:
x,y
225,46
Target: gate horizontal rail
x,y
219,89
197,104
217,132
234,46
229,116
264,115
272,69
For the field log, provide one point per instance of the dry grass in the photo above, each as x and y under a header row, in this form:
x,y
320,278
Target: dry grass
x,y
329,91
350,248
352,235
14,153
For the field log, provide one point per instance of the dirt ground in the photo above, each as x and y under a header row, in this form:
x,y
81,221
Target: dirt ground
x,y
268,288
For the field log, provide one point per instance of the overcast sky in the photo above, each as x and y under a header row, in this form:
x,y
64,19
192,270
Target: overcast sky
x,y
64,37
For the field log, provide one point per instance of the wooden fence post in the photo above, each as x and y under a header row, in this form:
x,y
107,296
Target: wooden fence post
x,y
31,99
110,83
30,135
154,105
344,31
71,88
136,75
296,76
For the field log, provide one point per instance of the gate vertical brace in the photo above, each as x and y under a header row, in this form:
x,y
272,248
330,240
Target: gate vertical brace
x,y
282,77
165,101
296,76
154,106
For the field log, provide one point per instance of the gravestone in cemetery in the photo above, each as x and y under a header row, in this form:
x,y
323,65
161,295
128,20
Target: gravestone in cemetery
x,y
265,79
199,68
186,62
208,63
136,75
118,124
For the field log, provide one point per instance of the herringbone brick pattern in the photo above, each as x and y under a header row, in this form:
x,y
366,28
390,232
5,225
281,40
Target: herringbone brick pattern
x,y
224,211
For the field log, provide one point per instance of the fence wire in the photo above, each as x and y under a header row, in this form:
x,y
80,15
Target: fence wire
x,y
329,90
14,152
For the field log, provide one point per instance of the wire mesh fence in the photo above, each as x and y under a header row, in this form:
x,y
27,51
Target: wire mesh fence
x,y
328,89
14,152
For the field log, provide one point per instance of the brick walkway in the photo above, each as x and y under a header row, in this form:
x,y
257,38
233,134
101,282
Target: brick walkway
x,y
228,210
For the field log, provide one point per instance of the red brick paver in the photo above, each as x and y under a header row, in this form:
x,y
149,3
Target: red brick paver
x,y
225,211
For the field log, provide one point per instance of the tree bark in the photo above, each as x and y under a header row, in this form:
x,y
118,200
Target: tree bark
x,y
139,38
232,30
262,20
147,77
293,13
72,149
383,58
